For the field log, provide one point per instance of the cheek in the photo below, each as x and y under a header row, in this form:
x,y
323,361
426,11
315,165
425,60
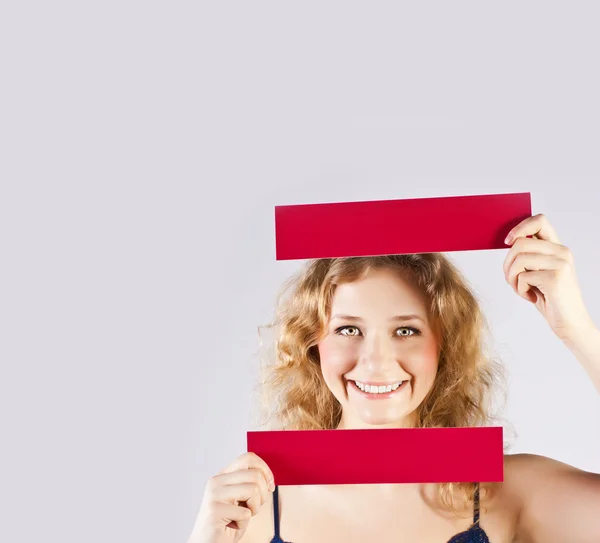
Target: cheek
x,y
336,359
422,361
429,360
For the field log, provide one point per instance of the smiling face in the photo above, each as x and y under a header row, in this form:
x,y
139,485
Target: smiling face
x,y
380,355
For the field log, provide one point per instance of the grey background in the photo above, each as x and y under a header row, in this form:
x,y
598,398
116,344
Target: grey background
x,y
143,146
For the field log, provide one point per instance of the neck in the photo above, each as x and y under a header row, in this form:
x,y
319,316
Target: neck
x,y
348,423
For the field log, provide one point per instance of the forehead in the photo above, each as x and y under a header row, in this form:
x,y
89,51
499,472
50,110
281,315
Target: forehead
x,y
380,290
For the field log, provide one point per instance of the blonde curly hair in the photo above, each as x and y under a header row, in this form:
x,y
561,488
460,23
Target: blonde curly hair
x,y
295,395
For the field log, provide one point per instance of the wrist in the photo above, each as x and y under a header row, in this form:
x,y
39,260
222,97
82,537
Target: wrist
x,y
586,348
584,338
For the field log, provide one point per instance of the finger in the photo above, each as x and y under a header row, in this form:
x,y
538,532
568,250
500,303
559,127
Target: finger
x,y
248,461
531,284
232,516
248,476
527,245
244,493
538,226
531,262
524,289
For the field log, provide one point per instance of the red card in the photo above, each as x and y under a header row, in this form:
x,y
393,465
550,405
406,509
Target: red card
x,y
382,227
379,456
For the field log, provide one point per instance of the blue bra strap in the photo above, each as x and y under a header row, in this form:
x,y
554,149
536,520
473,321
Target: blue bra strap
x,y
276,511
476,508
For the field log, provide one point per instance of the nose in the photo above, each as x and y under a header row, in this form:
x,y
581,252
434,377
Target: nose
x,y
377,352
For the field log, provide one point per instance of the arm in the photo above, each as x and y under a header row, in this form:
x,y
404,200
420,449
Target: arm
x,y
559,503
586,348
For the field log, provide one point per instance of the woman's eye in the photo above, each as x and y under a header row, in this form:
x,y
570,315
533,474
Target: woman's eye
x,y
346,328
406,331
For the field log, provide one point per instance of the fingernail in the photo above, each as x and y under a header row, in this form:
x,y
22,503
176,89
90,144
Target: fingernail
x,y
508,239
271,485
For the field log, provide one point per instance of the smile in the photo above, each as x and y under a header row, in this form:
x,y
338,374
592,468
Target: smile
x,y
372,390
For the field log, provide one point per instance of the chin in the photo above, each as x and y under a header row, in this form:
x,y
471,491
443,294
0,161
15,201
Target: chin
x,y
384,420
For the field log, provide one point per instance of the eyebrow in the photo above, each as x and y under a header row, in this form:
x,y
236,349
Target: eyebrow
x,y
395,318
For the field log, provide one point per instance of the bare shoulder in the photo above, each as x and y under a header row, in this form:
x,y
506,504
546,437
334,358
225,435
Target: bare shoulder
x,y
556,501
525,473
527,468
526,465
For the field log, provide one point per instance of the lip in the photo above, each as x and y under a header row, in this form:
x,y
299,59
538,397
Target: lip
x,y
383,395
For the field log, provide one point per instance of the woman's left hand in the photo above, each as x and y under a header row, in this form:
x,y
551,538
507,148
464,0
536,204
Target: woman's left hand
x,y
542,271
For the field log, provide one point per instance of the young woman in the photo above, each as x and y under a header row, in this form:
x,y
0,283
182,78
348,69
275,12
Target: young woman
x,y
408,323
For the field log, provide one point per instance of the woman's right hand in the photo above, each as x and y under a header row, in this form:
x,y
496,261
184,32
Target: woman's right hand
x,y
231,499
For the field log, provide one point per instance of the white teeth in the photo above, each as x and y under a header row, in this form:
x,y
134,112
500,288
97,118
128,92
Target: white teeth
x,y
372,389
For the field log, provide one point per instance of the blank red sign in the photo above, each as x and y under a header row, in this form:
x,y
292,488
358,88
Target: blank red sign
x,y
379,456
381,227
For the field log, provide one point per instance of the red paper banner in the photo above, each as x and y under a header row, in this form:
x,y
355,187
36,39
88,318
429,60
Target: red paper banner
x,y
379,456
381,227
